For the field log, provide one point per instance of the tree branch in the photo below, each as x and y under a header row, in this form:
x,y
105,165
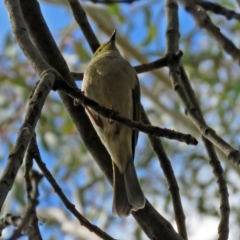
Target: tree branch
x,y
160,63
184,90
169,175
22,38
172,39
25,227
232,154
83,221
223,228
114,115
81,18
218,9
45,72
204,21
25,134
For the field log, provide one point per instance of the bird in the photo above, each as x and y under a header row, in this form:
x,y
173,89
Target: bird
x,y
110,80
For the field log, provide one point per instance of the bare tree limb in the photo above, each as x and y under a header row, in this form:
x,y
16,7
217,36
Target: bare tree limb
x,y
223,228
83,221
219,9
23,40
232,154
160,63
204,21
185,92
81,18
31,180
25,134
45,72
172,38
25,226
169,175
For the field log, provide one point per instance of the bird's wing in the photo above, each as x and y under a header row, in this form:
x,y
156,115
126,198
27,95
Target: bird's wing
x,y
136,112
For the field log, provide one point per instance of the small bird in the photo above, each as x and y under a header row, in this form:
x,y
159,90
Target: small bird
x,y
111,81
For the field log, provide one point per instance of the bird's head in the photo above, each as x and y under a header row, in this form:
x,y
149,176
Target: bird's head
x,y
107,46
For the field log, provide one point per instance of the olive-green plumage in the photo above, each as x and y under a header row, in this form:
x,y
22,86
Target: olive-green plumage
x,y
111,81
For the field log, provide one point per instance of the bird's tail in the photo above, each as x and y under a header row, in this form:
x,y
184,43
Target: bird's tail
x,y
134,192
121,206
128,194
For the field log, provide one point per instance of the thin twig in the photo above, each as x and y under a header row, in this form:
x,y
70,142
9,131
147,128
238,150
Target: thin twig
x,y
44,71
25,134
219,9
223,228
114,115
81,18
169,174
172,38
204,21
193,112
174,72
160,63
25,226
83,221
31,179
184,90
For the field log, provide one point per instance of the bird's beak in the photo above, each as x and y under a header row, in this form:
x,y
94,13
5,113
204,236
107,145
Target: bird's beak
x,y
112,38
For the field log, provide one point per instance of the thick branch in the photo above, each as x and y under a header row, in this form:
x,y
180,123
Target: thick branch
x,y
25,134
22,37
26,131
